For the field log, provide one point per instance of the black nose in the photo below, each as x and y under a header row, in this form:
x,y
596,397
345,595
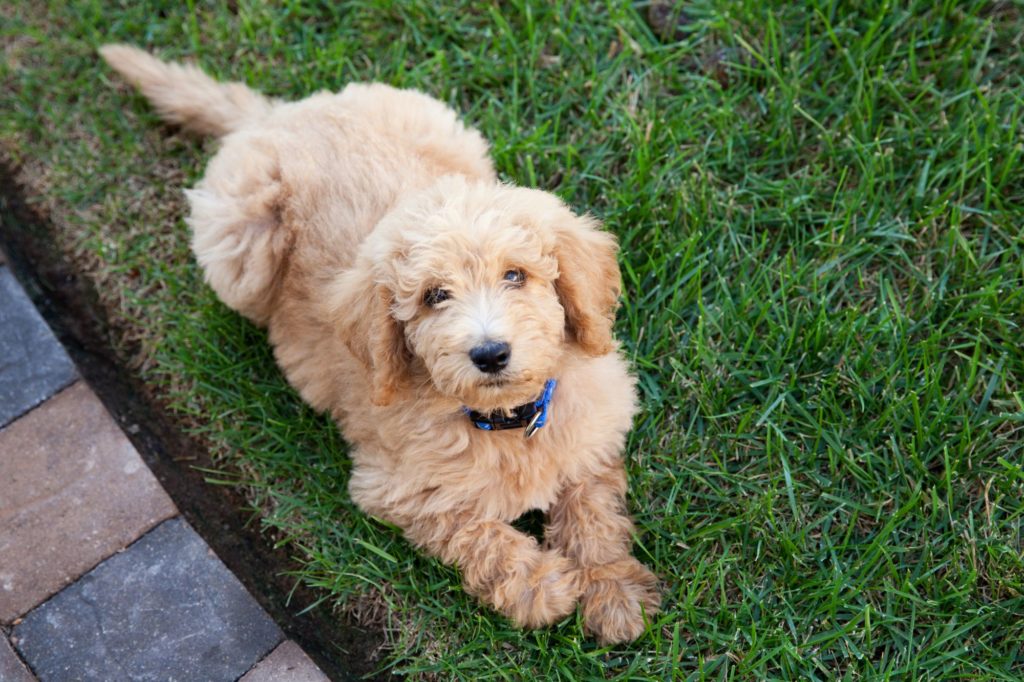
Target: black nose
x,y
490,356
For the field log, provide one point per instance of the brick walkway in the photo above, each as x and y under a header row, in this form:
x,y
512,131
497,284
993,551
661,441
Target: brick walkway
x,y
100,577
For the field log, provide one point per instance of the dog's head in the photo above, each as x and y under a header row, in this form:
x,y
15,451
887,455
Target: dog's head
x,y
478,289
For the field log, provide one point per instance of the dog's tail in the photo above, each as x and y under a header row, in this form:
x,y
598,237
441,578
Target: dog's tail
x,y
185,95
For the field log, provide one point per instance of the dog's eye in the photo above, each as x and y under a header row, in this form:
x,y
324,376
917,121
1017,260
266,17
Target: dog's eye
x,y
517,277
435,296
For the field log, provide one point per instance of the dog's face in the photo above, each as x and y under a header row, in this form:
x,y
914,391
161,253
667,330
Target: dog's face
x,y
479,307
481,287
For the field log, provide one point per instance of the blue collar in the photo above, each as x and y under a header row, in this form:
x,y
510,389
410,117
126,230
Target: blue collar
x,y
531,416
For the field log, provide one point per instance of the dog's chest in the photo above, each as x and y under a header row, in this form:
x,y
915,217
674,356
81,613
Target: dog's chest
x,y
517,474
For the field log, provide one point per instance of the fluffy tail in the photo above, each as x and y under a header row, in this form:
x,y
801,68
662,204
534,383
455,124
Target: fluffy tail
x,y
185,95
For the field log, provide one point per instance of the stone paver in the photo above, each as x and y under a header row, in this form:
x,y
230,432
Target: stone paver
x,y
73,491
33,365
74,494
164,609
12,669
287,663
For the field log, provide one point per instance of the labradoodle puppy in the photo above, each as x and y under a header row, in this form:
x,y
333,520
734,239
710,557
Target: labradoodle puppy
x,y
458,329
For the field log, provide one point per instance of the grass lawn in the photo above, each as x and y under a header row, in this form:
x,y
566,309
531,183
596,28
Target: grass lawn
x,y
820,206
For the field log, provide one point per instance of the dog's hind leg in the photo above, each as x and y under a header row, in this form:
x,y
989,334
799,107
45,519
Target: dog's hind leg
x,y
589,524
239,235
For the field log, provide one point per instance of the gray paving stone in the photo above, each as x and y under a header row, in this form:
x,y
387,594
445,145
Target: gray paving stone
x,y
164,609
12,669
287,663
33,365
73,491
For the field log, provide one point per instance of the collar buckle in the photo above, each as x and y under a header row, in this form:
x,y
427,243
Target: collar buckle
x,y
532,426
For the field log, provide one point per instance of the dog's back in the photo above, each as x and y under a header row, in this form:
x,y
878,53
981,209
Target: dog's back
x,y
311,176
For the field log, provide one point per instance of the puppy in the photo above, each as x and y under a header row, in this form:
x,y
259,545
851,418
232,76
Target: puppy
x,y
458,329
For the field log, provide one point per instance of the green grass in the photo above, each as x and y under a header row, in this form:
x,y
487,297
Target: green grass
x,y
821,208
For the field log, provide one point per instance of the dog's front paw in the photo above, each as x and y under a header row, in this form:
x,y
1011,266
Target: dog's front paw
x,y
615,598
540,592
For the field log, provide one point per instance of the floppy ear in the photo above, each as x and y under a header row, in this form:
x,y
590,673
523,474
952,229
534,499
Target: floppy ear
x,y
371,333
588,283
